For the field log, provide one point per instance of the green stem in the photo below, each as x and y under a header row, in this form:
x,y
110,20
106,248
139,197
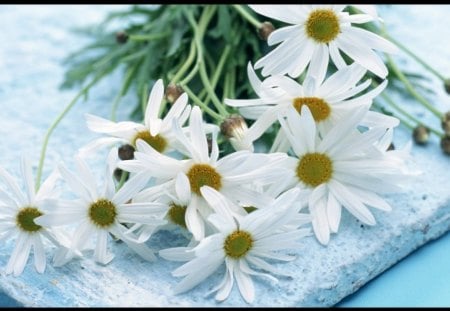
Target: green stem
x,y
123,178
411,89
219,69
246,15
226,87
186,64
419,60
149,37
198,36
55,124
408,115
191,75
199,103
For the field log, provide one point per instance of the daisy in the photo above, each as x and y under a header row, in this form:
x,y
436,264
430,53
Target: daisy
x,y
316,33
328,101
242,243
229,175
102,212
344,168
19,211
174,199
155,131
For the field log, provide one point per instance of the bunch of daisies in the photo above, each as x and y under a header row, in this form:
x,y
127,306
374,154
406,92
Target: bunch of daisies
x,y
242,208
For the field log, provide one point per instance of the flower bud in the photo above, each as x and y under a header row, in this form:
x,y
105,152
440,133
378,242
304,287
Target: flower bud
x,y
445,144
265,30
126,152
445,123
173,92
121,37
235,129
421,134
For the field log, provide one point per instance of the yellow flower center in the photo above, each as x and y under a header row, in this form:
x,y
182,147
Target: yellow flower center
x,y
25,219
203,175
319,108
237,244
322,25
314,169
102,213
157,142
177,214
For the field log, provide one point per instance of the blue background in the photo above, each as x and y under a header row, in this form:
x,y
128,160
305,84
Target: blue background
x,y
422,278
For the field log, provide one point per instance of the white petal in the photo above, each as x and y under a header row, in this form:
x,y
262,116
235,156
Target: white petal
x,y
218,203
362,55
25,167
333,213
177,254
319,63
130,188
198,136
183,188
40,259
282,34
22,256
351,202
194,223
245,285
22,238
76,184
92,147
60,218
86,176
317,208
139,248
12,184
101,254
367,38
225,290
47,188
208,266
286,13
154,102
336,57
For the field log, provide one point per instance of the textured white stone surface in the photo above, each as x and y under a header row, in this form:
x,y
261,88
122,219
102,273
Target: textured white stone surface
x,y
35,39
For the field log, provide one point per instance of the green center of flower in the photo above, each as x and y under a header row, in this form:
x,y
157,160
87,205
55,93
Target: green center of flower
x,y
25,219
322,25
203,175
177,215
314,169
157,142
319,108
102,213
237,244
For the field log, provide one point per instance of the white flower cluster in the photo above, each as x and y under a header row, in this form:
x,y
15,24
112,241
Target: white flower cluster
x,y
243,208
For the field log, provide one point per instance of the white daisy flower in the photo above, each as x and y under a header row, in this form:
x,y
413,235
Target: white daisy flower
x,y
316,33
155,131
19,211
229,175
175,200
102,212
240,242
343,168
328,101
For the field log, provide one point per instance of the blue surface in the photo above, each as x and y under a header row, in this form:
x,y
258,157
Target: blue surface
x,y
420,280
